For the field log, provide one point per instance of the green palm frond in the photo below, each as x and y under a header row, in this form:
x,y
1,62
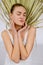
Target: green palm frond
x,y
38,22
3,12
34,10
41,1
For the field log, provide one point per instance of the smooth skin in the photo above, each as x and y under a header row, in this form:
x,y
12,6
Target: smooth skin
x,y
19,50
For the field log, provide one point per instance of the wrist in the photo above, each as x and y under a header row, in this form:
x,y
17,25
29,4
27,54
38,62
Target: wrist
x,y
18,33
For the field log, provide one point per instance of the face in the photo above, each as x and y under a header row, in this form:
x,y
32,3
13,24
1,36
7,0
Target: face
x,y
19,15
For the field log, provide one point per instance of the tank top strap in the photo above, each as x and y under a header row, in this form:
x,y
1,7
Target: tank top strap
x,y
10,36
25,37
24,40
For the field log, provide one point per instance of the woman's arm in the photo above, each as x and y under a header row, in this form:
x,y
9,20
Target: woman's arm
x,y
31,39
16,51
25,50
13,51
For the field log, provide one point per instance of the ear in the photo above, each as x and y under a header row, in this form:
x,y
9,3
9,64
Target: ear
x,y
11,16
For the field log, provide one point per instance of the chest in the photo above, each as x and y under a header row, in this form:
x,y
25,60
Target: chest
x,y
24,36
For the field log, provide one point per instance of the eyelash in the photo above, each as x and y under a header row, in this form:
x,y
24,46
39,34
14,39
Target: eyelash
x,y
20,14
24,15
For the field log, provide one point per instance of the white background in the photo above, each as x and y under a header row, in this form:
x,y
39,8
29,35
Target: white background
x,y
38,54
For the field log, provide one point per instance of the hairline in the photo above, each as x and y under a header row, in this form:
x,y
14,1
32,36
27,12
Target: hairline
x,y
17,5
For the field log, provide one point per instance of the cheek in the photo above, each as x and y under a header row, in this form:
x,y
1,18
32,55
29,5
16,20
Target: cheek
x,y
15,19
24,18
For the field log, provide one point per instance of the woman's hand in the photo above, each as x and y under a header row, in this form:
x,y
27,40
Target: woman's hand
x,y
24,28
13,27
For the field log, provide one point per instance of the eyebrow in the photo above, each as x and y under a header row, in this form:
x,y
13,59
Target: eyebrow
x,y
20,12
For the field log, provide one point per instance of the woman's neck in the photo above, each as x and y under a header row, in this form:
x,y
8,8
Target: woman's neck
x,y
17,27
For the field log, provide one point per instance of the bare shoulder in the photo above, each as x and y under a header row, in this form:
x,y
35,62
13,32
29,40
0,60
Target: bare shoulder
x,y
3,33
32,28
32,32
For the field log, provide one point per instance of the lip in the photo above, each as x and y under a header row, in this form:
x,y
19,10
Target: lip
x,y
21,20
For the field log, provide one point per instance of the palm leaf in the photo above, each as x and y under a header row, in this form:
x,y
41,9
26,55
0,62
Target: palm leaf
x,y
34,10
38,22
35,17
3,12
41,1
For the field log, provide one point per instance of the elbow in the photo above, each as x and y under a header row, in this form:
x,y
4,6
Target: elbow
x,y
15,59
25,57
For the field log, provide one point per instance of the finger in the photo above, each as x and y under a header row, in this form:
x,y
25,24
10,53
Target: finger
x,y
28,26
26,23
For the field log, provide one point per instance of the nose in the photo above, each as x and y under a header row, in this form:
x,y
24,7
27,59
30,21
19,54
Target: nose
x,y
22,17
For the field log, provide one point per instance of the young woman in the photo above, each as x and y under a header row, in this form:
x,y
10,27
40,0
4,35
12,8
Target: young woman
x,y
19,39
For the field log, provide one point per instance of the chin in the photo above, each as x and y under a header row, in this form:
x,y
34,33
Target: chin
x,y
20,24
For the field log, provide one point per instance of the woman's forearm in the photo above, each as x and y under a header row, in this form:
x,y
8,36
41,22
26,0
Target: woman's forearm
x,y
30,41
23,51
16,52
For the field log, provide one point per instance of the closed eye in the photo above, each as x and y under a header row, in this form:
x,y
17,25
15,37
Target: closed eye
x,y
18,13
24,15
